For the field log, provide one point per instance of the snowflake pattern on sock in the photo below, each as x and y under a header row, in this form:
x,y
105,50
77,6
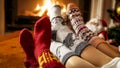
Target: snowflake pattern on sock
x,y
78,25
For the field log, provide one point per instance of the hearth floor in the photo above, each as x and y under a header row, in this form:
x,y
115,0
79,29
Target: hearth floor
x,y
11,53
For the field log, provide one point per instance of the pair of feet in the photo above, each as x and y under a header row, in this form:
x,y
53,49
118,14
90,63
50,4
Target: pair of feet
x,y
75,20
42,36
41,41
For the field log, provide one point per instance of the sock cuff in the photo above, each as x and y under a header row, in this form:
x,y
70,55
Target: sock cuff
x,y
61,51
95,41
81,47
67,56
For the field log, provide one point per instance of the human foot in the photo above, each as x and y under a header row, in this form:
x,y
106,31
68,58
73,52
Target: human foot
x,y
27,43
42,34
79,27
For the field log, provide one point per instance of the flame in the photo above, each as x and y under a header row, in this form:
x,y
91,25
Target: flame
x,y
64,9
46,6
37,7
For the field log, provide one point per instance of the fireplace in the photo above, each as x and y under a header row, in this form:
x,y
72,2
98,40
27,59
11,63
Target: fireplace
x,y
21,14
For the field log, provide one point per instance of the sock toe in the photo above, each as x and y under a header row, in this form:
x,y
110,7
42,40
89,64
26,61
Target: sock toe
x,y
27,42
42,24
25,37
71,6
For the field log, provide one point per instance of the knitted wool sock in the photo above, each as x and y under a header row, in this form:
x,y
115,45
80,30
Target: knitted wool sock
x,y
78,25
42,34
61,51
68,38
27,43
63,34
55,17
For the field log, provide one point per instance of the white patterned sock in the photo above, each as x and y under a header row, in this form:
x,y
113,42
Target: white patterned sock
x,y
61,51
78,25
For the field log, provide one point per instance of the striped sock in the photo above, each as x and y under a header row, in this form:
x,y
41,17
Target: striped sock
x,y
79,27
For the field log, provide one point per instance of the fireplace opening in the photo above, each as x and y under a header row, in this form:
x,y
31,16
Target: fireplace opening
x,y
21,14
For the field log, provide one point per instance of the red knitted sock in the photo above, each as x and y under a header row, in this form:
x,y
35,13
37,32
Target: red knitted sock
x,y
42,34
27,43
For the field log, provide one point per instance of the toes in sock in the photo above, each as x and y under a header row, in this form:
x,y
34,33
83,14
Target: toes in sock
x,y
27,43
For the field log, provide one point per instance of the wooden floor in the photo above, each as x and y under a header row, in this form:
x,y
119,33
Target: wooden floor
x,y
11,53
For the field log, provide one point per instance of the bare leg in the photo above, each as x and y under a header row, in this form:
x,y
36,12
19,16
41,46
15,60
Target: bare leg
x,y
114,48
82,31
75,62
105,48
94,56
67,57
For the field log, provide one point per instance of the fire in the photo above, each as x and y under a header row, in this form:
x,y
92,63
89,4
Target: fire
x,y
37,7
46,7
